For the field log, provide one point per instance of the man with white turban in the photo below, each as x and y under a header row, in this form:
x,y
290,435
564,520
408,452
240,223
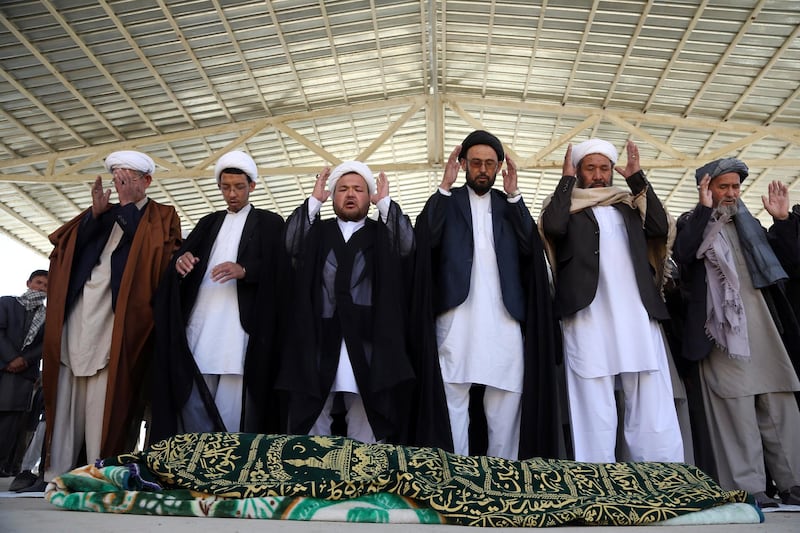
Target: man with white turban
x,y
346,347
607,294
741,329
104,268
216,317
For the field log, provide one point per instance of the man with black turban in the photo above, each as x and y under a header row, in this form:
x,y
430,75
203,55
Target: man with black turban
x,y
486,319
732,275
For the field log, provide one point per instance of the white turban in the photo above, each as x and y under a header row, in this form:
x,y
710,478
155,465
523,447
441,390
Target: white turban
x,y
132,160
593,146
236,159
353,166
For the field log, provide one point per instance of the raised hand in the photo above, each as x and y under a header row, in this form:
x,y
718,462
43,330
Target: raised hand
x,y
382,189
320,192
451,169
130,185
777,200
632,166
705,192
100,198
568,169
510,177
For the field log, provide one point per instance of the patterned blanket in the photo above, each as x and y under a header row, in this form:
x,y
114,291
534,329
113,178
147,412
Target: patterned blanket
x,y
334,478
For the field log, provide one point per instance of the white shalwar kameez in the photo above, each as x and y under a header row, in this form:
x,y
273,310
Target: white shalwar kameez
x,y
214,331
613,342
83,375
481,343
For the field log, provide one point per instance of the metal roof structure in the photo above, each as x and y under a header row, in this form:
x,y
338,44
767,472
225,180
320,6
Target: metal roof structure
x,y
395,83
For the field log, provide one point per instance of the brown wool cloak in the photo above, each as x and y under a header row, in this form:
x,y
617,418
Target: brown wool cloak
x,y
157,237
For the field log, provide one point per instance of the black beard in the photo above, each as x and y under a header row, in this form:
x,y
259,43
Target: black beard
x,y
581,184
351,218
480,190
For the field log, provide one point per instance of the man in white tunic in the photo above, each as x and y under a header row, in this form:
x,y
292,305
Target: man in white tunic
x,y
478,238
222,293
741,328
607,295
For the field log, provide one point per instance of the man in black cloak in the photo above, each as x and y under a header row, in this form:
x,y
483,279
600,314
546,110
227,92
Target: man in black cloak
x,y
483,316
793,283
346,344
216,315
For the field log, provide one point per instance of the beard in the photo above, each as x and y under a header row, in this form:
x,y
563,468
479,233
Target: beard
x,y
597,184
351,211
593,184
726,210
351,215
480,188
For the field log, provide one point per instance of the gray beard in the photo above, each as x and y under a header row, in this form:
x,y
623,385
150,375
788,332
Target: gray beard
x,y
729,210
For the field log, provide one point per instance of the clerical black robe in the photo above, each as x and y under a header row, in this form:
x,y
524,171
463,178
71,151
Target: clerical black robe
x,y
543,430
181,401
356,292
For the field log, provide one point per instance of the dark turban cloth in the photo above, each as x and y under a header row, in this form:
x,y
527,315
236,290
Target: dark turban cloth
x,y
481,137
722,166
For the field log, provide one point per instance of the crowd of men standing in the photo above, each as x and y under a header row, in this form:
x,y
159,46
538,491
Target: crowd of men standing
x,y
474,329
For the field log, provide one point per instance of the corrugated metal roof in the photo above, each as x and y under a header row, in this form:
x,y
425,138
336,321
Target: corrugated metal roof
x,y
300,85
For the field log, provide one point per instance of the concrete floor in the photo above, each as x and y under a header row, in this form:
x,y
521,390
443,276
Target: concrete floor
x,y
33,514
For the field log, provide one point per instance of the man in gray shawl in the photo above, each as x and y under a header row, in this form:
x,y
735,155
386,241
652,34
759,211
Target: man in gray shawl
x,y
733,281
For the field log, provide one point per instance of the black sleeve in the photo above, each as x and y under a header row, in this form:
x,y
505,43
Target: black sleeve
x,y
690,234
555,217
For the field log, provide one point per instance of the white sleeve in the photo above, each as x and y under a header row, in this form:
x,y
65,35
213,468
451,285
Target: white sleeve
x,y
383,207
314,206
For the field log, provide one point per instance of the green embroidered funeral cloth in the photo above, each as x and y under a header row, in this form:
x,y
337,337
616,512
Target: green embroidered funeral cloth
x,y
282,476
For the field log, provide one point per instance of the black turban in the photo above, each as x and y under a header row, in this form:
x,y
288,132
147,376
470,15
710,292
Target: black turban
x,y
722,166
481,137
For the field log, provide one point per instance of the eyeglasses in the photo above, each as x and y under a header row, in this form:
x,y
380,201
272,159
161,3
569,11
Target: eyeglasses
x,y
476,164
127,174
